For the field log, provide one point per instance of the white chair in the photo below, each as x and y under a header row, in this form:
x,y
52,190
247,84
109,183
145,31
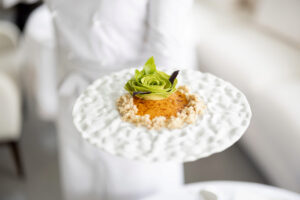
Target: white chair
x,y
267,69
10,98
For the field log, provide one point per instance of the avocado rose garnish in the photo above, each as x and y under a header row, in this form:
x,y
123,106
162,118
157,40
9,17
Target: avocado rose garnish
x,y
150,84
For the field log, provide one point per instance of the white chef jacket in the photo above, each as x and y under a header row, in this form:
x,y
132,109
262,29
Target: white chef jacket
x,y
96,37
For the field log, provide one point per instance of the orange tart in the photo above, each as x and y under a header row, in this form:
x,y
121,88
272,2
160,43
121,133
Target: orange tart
x,y
166,107
155,102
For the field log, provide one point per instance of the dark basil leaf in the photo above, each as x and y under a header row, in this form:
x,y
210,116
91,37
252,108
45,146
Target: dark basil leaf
x,y
173,76
135,93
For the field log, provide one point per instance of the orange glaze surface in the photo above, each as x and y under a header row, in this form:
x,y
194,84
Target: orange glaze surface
x,y
167,107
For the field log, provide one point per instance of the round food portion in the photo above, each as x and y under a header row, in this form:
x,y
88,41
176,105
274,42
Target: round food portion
x,y
173,112
166,107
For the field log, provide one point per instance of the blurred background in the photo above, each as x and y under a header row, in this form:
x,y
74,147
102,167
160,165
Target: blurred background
x,y
255,44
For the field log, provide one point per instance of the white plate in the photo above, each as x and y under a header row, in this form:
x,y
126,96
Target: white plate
x,y
225,120
227,190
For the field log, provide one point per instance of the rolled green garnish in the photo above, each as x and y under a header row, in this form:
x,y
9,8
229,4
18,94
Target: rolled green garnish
x,y
150,84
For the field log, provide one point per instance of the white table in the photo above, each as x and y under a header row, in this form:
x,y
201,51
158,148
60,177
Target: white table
x,y
228,190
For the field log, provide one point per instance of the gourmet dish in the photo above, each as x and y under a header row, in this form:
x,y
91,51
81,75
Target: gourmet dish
x,y
107,115
155,102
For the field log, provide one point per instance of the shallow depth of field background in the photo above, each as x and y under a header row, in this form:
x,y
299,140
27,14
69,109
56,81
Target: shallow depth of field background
x,y
255,44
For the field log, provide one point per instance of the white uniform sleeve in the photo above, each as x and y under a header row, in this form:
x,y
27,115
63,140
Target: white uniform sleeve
x,y
166,30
